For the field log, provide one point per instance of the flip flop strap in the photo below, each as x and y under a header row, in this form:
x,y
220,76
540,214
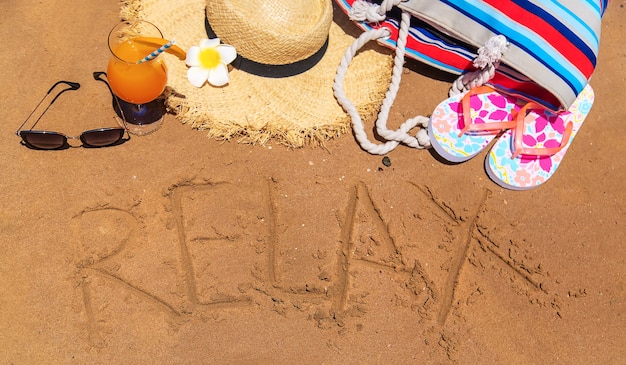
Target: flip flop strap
x,y
469,125
518,146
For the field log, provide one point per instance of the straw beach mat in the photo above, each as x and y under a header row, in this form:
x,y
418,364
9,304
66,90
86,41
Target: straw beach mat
x,y
296,110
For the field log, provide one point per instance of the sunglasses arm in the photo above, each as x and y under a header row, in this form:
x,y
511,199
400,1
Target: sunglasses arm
x,y
72,86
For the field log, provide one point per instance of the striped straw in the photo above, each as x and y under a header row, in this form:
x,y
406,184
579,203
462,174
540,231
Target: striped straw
x,y
157,52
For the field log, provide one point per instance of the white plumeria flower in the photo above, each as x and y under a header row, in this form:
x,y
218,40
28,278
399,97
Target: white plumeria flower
x,y
209,62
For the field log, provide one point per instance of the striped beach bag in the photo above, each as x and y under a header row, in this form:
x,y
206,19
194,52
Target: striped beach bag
x,y
543,51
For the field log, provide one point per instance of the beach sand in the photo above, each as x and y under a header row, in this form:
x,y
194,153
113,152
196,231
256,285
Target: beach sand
x,y
174,248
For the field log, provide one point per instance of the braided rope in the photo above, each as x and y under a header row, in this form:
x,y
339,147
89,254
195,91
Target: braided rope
x,y
401,134
472,79
362,10
357,123
394,138
486,62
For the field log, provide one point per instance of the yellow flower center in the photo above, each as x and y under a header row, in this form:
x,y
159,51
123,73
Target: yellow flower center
x,y
209,58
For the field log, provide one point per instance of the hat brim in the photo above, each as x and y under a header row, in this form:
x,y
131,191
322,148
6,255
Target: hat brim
x,y
295,111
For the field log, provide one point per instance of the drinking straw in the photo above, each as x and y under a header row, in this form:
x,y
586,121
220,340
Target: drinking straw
x,y
157,52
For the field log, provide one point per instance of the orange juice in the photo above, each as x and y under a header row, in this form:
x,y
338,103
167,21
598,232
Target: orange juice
x,y
133,82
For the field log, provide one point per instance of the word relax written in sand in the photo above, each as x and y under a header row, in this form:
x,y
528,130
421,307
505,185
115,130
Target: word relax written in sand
x,y
224,249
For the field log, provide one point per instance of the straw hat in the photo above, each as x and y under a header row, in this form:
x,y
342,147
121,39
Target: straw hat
x,y
296,41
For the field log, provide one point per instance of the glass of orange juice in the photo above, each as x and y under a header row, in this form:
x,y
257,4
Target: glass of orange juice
x,y
138,85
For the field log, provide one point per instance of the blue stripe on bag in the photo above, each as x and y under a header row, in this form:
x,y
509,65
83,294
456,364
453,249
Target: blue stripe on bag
x,y
424,36
560,27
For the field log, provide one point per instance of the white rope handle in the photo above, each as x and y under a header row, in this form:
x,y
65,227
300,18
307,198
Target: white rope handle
x,y
486,63
401,134
369,11
357,124
372,13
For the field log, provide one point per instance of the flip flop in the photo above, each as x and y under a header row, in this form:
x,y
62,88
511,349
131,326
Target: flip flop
x,y
463,125
529,154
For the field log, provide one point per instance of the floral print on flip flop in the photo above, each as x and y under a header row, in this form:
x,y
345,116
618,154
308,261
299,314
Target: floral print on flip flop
x,y
447,122
542,129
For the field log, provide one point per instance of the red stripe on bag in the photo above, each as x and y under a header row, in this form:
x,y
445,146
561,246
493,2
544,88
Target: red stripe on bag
x,y
441,55
529,91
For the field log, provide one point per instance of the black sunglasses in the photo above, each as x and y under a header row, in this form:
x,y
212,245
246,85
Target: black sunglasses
x,y
49,140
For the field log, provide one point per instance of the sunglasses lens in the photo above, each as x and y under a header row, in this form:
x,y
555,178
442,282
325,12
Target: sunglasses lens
x,y
102,137
43,140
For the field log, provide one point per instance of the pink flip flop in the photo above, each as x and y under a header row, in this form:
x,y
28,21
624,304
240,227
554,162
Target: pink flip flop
x,y
463,125
529,154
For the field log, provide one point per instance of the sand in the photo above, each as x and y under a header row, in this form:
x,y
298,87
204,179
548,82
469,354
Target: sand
x,y
178,249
